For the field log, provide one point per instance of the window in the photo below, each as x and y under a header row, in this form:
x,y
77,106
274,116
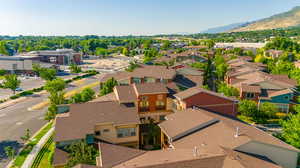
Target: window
x,y
97,133
283,108
160,103
160,97
144,104
165,81
106,130
136,80
125,132
250,95
161,117
124,82
144,98
149,80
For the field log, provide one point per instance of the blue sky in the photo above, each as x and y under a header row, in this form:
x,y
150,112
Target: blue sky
x,y
124,17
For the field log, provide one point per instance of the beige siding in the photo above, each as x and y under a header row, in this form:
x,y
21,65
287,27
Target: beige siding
x,y
282,156
111,135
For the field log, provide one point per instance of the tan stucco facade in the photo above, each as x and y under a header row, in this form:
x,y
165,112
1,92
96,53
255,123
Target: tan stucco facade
x,y
109,133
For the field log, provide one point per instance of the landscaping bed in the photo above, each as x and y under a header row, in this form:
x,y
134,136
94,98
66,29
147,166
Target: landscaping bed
x,y
45,155
19,160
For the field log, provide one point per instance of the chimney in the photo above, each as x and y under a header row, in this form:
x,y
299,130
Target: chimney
x,y
237,133
195,151
99,161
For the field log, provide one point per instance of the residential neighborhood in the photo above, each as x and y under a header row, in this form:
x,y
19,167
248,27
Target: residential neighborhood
x,y
109,85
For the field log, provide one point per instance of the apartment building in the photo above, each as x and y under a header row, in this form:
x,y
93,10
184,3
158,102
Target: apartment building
x,y
254,84
107,121
197,138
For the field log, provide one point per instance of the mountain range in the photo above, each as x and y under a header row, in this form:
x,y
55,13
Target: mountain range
x,y
283,20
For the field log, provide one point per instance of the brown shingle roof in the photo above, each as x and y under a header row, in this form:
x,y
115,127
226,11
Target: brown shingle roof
x,y
60,157
222,134
83,118
186,158
125,94
183,122
112,155
174,158
144,71
108,97
150,88
195,90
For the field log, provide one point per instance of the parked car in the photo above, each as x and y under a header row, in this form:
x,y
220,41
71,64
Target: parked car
x,y
19,89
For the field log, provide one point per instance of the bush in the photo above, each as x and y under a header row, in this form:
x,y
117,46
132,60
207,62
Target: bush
x,y
26,93
14,96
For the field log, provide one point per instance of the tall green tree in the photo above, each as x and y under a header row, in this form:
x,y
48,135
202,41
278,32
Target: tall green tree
x,y
107,87
291,130
26,136
11,82
75,68
10,152
268,110
81,152
248,108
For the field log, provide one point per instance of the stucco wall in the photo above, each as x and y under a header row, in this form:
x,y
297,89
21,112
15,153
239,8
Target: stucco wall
x,y
281,156
111,135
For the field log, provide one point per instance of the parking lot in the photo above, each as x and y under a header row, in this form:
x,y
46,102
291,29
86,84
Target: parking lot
x,y
28,83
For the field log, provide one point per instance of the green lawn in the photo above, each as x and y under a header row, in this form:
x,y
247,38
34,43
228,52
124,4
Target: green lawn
x,y
27,149
43,158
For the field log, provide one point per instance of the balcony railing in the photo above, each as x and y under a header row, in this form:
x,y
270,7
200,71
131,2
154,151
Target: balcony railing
x,y
144,109
160,107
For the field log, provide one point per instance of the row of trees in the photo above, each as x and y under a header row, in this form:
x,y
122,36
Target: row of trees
x,y
93,45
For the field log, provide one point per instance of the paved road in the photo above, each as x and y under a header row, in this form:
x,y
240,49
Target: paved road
x,y
14,120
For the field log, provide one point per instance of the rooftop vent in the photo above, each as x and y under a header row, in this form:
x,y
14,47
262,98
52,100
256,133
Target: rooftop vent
x,y
237,132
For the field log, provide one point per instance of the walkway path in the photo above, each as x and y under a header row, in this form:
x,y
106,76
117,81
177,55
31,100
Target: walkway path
x,y
30,158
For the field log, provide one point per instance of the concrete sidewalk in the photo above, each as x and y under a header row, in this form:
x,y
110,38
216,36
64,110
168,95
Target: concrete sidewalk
x,y
30,158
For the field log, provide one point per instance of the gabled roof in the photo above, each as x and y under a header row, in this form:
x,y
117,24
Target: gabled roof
x,y
250,88
83,117
153,71
60,157
195,90
223,134
112,155
125,94
184,123
150,88
189,158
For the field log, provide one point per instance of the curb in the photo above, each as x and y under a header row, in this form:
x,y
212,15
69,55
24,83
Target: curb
x,y
11,102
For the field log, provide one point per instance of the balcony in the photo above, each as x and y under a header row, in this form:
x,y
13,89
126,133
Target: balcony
x,y
144,109
160,108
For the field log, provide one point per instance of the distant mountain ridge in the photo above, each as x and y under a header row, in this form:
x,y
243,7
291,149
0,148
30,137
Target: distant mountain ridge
x,y
225,28
283,20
